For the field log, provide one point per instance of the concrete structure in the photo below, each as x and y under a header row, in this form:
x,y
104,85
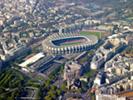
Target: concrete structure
x,y
109,97
13,53
81,43
119,80
112,46
72,71
99,80
32,60
123,85
119,66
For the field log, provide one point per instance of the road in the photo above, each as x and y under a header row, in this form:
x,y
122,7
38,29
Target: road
x,y
76,95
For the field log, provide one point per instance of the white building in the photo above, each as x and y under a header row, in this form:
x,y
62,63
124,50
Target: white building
x,y
109,97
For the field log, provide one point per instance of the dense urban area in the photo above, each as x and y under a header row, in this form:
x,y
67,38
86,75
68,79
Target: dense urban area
x,y
66,49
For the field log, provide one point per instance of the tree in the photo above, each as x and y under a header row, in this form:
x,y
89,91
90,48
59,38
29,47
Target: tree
x,y
47,97
53,87
58,91
52,94
63,87
47,83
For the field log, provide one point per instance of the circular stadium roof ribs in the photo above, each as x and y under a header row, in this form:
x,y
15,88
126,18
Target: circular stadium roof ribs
x,y
50,47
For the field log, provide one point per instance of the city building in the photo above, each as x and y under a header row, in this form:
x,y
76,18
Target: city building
x,y
72,71
112,46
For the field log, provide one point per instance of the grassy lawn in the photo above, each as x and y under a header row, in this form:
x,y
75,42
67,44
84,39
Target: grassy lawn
x,y
90,73
91,52
98,34
71,44
84,59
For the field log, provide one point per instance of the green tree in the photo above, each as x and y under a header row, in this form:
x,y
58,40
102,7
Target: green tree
x,y
53,87
47,83
47,97
52,94
58,91
63,87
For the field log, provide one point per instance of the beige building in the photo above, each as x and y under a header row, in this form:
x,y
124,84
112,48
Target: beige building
x,y
109,97
72,71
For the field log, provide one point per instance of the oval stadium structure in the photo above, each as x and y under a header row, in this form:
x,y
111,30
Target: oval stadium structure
x,y
67,43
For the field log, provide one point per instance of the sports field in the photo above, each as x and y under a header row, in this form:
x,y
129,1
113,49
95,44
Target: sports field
x,y
71,44
69,41
98,34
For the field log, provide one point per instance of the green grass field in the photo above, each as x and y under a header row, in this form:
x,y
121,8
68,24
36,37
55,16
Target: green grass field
x,y
90,73
98,34
69,44
85,33
130,18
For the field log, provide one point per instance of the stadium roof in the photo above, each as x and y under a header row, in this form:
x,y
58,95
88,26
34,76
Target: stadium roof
x,y
32,59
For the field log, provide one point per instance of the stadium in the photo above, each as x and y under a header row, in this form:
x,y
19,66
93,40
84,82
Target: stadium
x,y
67,43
